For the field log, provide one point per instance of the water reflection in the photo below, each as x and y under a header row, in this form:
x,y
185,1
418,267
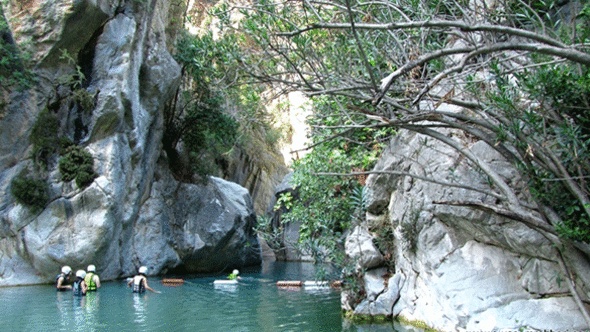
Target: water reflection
x,y
78,304
63,306
139,306
91,308
72,309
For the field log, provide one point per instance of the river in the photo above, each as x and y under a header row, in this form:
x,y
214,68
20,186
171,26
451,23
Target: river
x,y
255,304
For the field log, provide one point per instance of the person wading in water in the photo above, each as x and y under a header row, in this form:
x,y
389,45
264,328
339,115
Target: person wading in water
x,y
79,287
139,283
92,280
63,278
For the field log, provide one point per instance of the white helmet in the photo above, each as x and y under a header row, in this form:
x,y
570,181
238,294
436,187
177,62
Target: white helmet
x,y
66,269
91,268
236,272
143,269
80,273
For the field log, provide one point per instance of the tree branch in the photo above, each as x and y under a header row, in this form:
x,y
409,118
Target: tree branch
x,y
528,219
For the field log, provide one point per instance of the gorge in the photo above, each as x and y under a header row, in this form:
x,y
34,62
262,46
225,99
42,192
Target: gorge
x,y
448,231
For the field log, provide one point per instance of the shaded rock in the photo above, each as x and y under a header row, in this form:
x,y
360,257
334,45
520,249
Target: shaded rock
x,y
382,293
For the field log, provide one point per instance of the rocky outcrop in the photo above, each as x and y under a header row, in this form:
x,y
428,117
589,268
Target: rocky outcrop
x,y
260,171
134,212
456,268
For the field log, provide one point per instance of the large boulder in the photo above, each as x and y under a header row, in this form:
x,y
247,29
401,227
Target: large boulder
x,y
360,248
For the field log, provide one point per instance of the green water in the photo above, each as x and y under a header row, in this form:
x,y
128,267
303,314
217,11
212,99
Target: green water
x,y
255,304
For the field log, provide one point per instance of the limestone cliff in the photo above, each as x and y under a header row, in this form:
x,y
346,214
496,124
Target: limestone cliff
x,y
133,212
455,268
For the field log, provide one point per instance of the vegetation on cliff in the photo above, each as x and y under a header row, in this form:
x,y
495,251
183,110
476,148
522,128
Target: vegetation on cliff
x,y
213,110
14,71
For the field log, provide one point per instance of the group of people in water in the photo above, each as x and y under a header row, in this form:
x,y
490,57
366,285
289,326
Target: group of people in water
x,y
85,280
89,281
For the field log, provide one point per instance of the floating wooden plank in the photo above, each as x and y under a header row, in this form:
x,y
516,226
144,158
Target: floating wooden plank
x,y
172,281
289,283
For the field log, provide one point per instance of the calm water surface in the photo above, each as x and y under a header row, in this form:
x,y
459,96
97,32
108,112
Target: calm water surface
x,y
255,304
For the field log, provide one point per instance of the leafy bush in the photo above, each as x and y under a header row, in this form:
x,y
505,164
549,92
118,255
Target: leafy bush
x,y
44,136
77,164
559,98
30,192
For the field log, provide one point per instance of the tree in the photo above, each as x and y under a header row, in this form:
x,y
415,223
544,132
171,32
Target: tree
x,y
197,117
519,70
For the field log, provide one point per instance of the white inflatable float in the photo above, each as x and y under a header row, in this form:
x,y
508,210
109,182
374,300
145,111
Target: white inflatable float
x,y
304,284
225,282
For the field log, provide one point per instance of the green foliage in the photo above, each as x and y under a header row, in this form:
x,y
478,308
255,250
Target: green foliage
x,y
75,81
83,98
536,115
272,234
77,164
327,204
30,192
44,137
14,68
207,131
557,119
285,201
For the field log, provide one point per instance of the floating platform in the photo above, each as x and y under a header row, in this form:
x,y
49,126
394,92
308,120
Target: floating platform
x,y
172,281
308,284
289,283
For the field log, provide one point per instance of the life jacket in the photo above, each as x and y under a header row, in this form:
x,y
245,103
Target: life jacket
x,y
139,284
89,280
77,287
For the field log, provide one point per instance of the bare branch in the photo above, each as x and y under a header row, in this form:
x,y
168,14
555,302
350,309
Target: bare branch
x,y
420,177
461,25
528,219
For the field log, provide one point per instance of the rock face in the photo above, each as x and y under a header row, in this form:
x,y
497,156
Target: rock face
x,y
134,213
457,268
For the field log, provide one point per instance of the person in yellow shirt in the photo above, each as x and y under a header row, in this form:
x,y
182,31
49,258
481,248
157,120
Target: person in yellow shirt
x,y
234,275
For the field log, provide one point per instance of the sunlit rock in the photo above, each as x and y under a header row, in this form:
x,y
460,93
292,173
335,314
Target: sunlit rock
x,y
360,247
463,268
